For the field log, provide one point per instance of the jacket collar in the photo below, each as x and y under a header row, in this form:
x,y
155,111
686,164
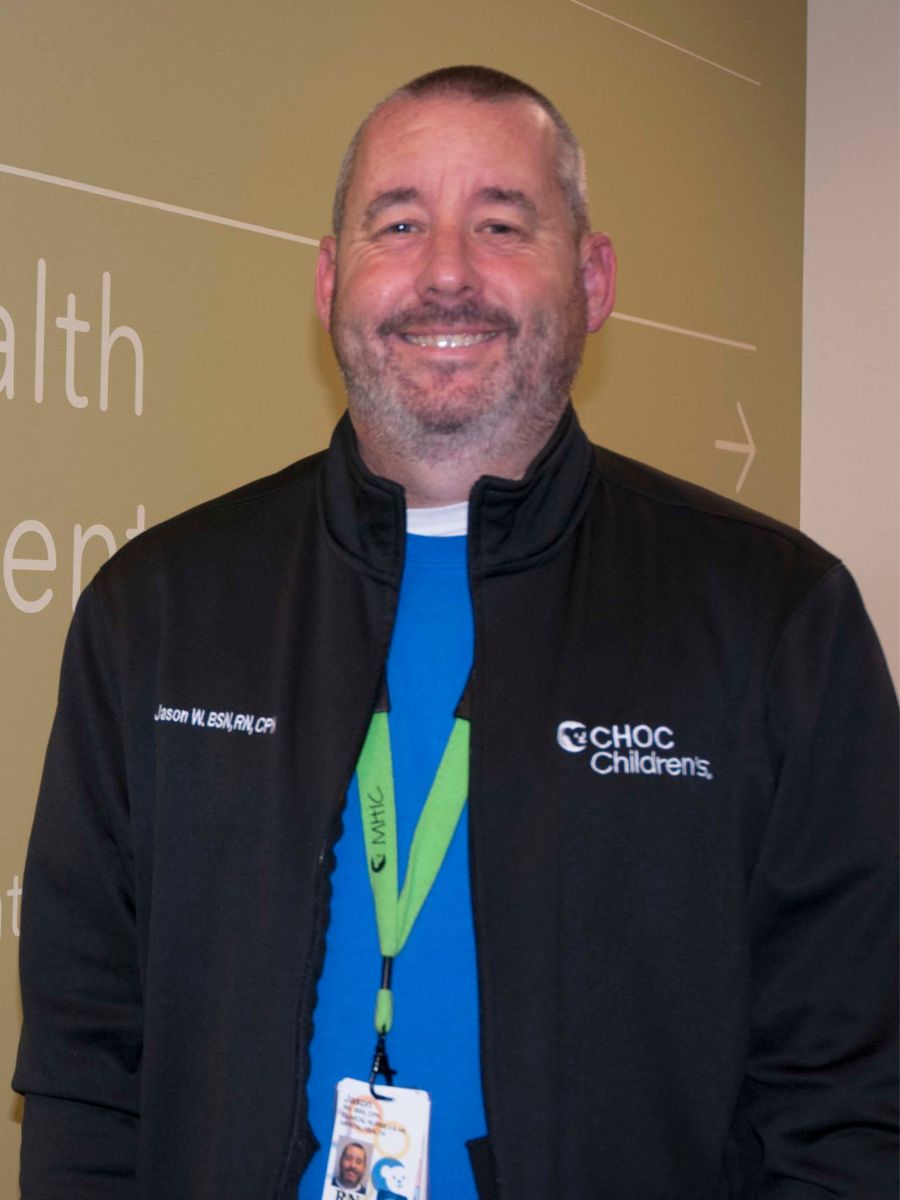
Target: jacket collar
x,y
513,523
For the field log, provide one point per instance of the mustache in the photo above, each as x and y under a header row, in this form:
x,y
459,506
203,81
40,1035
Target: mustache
x,y
468,313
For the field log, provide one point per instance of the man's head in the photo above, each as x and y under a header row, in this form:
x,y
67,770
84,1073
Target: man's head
x,y
352,1165
485,85
463,279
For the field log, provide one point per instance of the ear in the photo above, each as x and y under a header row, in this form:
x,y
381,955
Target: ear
x,y
598,272
326,268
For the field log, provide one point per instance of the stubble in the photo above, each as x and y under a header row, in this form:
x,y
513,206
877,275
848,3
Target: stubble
x,y
451,411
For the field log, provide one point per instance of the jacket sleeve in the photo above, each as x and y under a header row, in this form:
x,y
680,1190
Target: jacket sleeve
x,y
79,1056
821,1082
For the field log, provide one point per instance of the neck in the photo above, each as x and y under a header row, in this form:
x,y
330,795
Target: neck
x,y
433,481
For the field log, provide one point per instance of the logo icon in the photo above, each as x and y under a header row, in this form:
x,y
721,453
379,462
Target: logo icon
x,y
572,736
377,864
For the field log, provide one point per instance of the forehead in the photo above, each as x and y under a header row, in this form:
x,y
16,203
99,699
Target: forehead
x,y
423,143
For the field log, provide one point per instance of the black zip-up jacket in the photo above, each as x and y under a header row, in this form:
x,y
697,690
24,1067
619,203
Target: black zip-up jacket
x,y
682,843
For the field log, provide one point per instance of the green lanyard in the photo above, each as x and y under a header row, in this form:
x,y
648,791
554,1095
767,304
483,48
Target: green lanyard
x,y
395,913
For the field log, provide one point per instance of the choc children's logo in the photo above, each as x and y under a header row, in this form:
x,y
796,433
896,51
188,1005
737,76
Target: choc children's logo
x,y
631,749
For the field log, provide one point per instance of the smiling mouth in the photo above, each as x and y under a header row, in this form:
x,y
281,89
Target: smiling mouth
x,y
449,341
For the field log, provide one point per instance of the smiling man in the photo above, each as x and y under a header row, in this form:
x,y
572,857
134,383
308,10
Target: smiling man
x,y
460,290
579,777
351,1170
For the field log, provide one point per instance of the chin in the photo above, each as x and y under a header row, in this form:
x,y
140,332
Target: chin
x,y
449,415
421,421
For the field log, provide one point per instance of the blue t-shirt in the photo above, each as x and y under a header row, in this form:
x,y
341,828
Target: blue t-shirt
x,y
434,1041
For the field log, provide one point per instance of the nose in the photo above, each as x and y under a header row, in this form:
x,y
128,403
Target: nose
x,y
448,271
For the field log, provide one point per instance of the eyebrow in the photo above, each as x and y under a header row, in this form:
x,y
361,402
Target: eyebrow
x,y
398,195
511,196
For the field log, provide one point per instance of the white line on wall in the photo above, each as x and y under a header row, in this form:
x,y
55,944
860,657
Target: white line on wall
x,y
162,205
673,45
747,448
181,211
694,333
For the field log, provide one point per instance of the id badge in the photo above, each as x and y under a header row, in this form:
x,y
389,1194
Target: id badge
x,y
379,1145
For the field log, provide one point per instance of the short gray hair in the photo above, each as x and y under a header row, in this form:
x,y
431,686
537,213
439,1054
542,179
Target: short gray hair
x,y
488,86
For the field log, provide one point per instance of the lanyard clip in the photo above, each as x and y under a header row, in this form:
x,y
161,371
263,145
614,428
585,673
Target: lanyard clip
x,y
381,1066
384,1017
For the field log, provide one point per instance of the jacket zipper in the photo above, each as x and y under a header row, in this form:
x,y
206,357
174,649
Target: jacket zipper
x,y
312,970
483,1019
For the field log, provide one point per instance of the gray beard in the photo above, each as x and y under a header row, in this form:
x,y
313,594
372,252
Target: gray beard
x,y
443,421
442,433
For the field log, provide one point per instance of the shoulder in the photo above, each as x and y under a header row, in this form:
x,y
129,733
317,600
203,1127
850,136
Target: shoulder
x,y
674,499
245,508
698,530
234,544
256,515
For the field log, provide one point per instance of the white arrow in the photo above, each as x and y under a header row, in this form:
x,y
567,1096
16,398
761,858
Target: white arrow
x,y
748,448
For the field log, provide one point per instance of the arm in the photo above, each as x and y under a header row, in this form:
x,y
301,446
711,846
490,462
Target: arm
x,y
79,1056
821,1084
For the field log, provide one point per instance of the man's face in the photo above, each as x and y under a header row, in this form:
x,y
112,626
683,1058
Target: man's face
x,y
458,297
352,1166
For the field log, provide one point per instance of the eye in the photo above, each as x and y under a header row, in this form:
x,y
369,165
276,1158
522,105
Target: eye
x,y
500,229
399,227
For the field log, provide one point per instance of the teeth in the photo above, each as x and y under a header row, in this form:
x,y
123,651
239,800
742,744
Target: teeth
x,y
448,341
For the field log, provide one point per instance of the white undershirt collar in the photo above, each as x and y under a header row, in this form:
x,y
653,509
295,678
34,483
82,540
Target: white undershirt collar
x,y
447,520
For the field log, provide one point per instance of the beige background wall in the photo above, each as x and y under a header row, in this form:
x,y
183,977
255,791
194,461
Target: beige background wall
x,y
850,492
165,170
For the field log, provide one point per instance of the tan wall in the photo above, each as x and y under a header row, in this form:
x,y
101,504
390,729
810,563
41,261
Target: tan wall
x,y
692,118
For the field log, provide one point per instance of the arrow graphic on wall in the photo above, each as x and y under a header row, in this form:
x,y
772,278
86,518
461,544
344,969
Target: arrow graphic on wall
x,y
748,448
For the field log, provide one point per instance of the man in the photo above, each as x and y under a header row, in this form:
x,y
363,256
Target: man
x,y
351,1169
659,947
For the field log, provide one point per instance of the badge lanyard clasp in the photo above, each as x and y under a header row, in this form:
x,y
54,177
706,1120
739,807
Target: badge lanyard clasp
x,y
380,1062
